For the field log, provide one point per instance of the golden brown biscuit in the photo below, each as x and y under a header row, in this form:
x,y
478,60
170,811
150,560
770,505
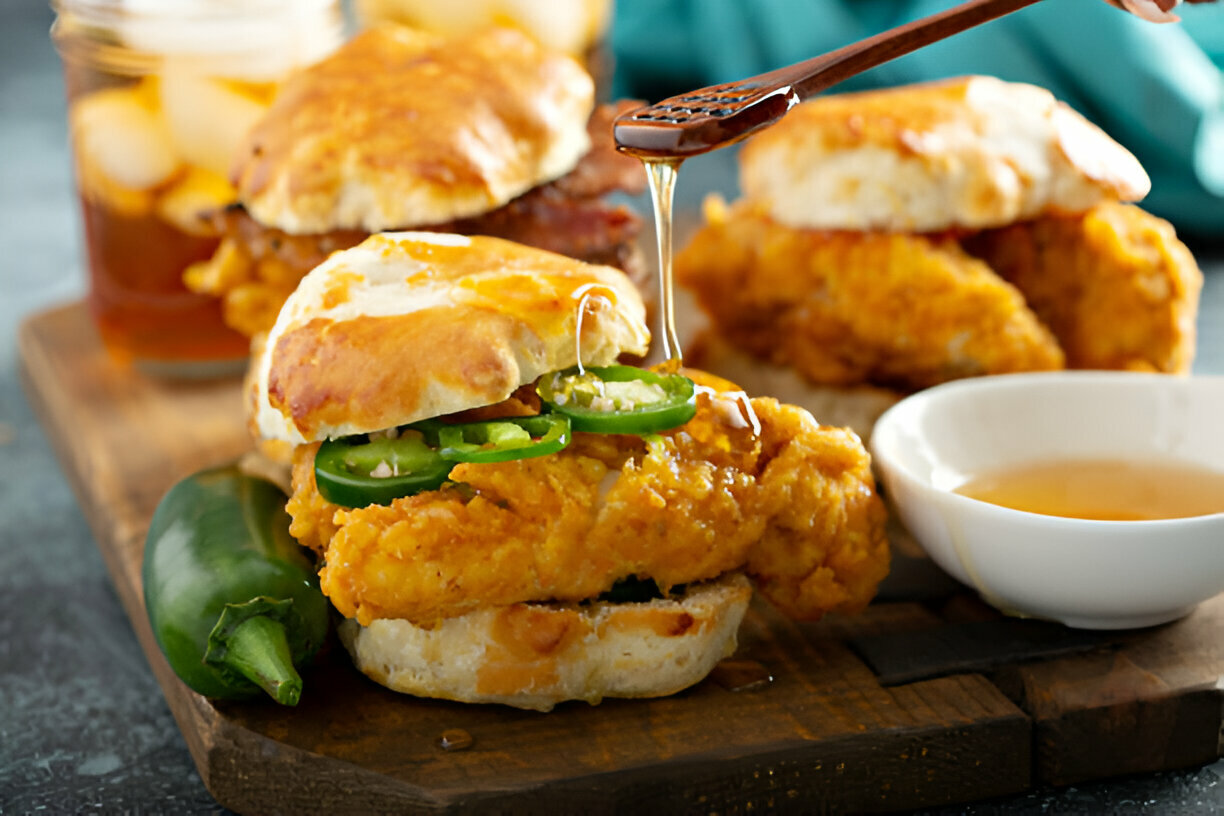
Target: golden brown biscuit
x,y
536,655
971,152
406,128
407,326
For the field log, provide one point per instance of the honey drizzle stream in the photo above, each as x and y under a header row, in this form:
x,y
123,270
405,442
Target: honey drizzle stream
x,y
662,172
583,295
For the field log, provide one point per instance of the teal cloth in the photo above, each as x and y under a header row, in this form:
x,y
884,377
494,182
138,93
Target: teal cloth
x,y
1156,88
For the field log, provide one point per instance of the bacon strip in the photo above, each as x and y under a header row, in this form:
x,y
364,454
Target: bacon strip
x,y
604,169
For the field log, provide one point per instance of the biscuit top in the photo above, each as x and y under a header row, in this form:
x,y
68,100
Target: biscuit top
x,y
403,128
572,26
408,326
965,153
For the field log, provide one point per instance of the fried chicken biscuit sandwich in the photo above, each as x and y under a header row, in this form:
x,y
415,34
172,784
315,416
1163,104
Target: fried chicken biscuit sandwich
x,y
892,240
479,133
506,515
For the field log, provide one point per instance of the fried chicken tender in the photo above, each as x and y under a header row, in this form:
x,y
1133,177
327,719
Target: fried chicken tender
x,y
905,311
255,268
1115,285
794,505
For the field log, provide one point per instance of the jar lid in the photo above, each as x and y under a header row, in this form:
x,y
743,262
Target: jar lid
x,y
252,39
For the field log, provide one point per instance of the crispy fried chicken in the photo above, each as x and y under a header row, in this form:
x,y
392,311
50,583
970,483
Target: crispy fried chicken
x,y
1115,285
902,310
793,505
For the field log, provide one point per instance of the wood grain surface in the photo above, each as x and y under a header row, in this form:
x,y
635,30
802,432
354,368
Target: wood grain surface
x,y
927,698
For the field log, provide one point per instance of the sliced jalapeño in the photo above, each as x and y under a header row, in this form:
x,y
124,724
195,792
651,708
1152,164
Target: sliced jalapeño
x,y
358,471
619,399
501,440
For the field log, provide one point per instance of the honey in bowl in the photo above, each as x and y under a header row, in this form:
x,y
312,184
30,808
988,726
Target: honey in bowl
x,y
1103,489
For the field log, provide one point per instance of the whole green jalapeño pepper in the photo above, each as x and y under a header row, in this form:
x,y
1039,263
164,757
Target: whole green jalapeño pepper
x,y
358,471
619,399
232,598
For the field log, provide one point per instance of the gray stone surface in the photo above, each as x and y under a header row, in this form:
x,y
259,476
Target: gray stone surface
x,y
83,726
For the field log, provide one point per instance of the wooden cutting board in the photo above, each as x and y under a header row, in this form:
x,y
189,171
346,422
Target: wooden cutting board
x,y
927,698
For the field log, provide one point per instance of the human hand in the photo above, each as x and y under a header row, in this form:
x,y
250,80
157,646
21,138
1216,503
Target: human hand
x,y
1156,11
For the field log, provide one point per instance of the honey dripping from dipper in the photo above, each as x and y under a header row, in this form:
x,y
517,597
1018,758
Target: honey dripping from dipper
x,y
662,172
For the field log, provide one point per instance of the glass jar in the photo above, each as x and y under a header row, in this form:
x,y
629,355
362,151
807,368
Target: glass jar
x,y
160,95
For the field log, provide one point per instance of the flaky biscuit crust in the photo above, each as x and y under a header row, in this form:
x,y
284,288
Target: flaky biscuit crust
x,y
407,326
403,128
534,656
966,153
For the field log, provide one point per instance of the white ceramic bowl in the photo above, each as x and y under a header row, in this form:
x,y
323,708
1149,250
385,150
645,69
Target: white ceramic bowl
x,y
1084,573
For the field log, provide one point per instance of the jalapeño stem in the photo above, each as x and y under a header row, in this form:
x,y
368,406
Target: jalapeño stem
x,y
259,651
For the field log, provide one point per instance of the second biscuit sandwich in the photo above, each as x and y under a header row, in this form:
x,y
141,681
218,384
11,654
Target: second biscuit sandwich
x,y
892,240
481,133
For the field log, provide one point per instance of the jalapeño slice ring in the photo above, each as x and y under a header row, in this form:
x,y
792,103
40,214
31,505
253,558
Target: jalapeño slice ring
x,y
619,399
347,470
